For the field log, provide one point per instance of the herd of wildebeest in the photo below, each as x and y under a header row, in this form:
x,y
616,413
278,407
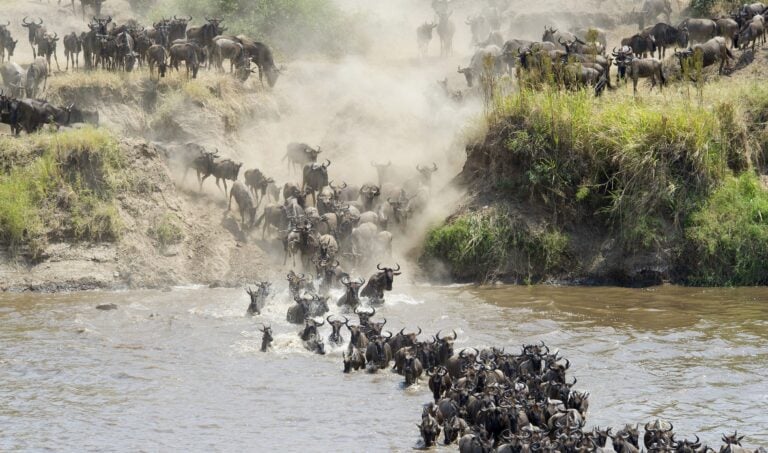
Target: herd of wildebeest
x,y
113,47
580,59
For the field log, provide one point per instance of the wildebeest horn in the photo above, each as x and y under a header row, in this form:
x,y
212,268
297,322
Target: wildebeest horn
x,y
567,364
328,164
455,335
419,333
318,325
378,266
328,318
41,21
390,333
401,331
383,323
671,427
434,166
398,267
24,21
344,280
437,336
373,311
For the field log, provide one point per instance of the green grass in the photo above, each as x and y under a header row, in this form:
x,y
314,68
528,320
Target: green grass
x,y
659,173
480,245
61,186
727,239
166,231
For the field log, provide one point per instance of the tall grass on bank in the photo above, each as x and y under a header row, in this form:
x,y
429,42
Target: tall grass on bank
x,y
727,238
664,173
63,188
632,163
481,245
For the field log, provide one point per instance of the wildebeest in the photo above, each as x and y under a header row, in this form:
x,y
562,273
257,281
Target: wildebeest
x,y
357,339
380,282
36,73
258,298
311,337
14,77
750,34
7,43
205,33
412,370
245,204
258,183
177,28
354,359
35,33
642,44
350,299
473,443
307,305
266,338
478,27
157,57
186,52
227,49
335,336
454,428
556,37
378,354
72,47
429,429
727,28
638,68
46,46
699,30
224,170
424,36
665,35
445,31
261,55
485,63
713,51
202,163
315,177
300,154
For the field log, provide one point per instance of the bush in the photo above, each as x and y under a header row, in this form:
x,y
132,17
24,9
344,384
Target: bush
x,y
166,231
727,239
59,185
482,244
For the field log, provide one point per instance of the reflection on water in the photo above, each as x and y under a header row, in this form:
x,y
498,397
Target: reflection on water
x,y
182,370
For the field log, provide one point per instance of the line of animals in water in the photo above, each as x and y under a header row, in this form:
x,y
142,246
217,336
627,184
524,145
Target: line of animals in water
x,y
485,400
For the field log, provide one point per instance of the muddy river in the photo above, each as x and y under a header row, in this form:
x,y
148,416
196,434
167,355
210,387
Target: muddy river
x,y
182,371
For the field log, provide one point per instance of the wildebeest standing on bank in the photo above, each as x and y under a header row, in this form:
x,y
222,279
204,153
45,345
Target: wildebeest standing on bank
x,y
261,55
73,45
36,32
36,73
711,52
46,47
424,37
445,31
300,154
225,170
156,57
187,53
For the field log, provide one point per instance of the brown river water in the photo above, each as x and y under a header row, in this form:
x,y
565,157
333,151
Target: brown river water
x,y
182,371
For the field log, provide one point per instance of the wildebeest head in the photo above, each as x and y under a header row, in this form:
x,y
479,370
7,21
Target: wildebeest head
x,y
733,439
445,346
369,192
10,45
389,275
468,74
429,429
310,328
335,336
32,28
365,315
426,173
549,34
375,327
266,337
353,290
295,282
658,432
408,339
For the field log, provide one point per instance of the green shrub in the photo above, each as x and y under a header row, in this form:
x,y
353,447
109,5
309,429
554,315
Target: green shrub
x,y
166,231
482,245
59,185
727,239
